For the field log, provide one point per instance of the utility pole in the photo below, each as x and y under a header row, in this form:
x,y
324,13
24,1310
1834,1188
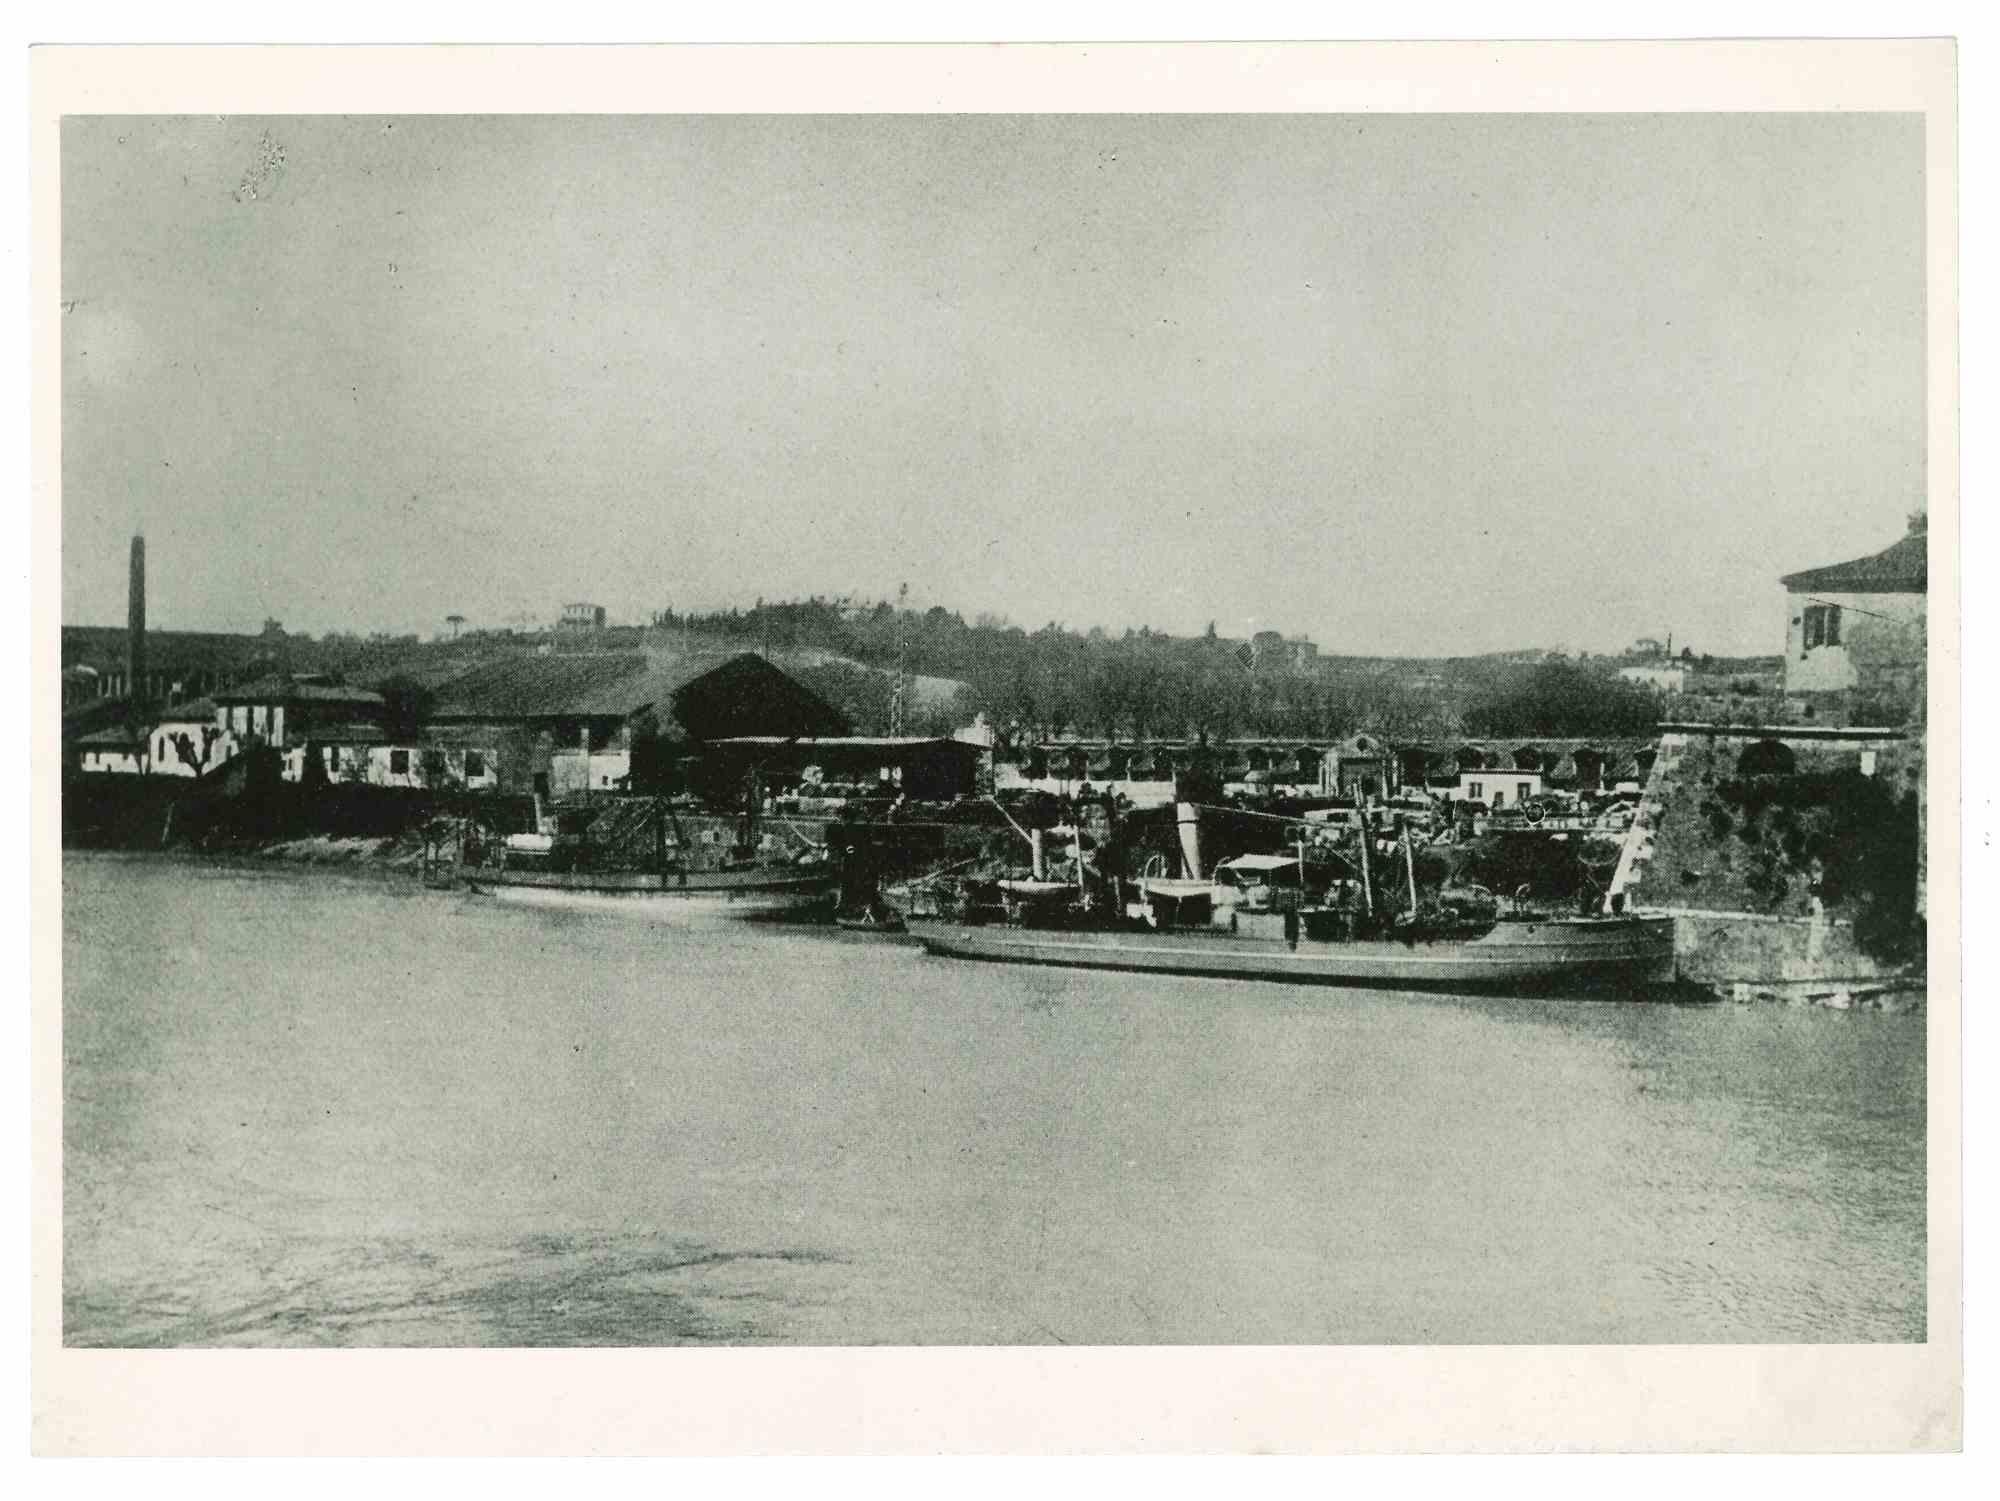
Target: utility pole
x,y
899,696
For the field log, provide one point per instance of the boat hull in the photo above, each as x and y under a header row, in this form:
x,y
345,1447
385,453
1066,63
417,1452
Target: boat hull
x,y
1555,956
732,895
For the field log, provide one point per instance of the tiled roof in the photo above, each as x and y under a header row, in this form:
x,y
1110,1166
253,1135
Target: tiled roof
x,y
582,685
91,715
1901,568
115,737
194,711
588,685
354,733
285,691
459,736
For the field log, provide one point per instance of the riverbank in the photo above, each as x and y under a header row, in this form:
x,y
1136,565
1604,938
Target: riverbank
x,y
238,814
1734,956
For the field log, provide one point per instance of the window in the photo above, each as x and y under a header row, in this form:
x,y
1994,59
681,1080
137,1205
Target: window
x,y
1822,626
399,763
1476,791
1521,791
475,763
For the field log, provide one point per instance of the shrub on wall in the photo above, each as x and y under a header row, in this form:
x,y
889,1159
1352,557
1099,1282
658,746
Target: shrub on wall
x,y
1847,838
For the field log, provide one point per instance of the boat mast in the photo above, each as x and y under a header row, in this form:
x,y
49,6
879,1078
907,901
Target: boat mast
x,y
1410,863
1364,837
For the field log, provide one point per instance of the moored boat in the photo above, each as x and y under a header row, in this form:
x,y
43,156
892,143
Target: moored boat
x,y
1546,955
545,869
759,892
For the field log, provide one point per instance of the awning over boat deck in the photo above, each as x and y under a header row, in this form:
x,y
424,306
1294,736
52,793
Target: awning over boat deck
x,y
1260,863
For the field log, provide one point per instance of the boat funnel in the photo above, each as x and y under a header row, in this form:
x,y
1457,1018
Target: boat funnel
x,y
1189,818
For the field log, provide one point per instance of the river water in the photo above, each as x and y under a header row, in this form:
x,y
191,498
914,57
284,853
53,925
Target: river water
x,y
304,1108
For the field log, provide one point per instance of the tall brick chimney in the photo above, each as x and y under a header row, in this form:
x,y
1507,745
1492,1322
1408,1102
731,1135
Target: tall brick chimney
x,y
135,626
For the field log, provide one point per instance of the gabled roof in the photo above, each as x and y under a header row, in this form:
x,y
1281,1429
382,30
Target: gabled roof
x,y
1900,568
704,693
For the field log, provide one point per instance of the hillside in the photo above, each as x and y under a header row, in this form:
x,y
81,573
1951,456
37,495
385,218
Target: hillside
x,y
1055,681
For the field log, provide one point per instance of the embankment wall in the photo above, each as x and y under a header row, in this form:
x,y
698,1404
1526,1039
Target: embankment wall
x,y
1784,958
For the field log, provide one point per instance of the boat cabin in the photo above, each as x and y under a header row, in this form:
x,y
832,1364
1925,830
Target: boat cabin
x,y
1258,883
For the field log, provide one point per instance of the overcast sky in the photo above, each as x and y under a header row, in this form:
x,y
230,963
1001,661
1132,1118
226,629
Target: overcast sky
x,y
1411,384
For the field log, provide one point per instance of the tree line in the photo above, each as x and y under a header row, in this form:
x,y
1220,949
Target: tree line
x,y
1143,684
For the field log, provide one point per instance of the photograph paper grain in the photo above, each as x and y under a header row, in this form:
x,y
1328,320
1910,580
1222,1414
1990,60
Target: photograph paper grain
x,y
1172,745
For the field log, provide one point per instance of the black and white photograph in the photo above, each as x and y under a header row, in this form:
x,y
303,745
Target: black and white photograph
x,y
1006,729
